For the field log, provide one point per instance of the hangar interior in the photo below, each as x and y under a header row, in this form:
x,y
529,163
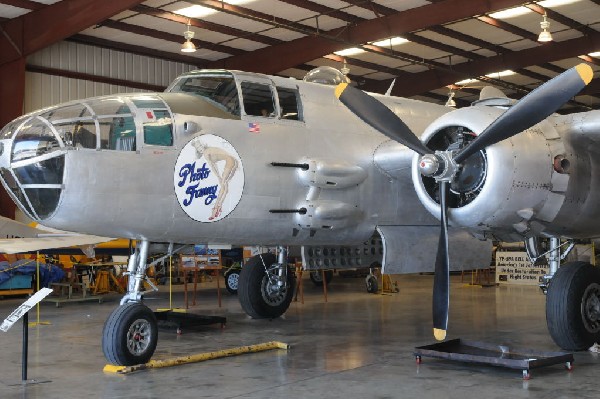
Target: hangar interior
x,y
350,342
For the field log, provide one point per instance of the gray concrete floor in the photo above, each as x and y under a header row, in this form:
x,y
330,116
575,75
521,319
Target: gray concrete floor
x,y
357,345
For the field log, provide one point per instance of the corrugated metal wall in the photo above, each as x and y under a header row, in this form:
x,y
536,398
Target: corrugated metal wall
x,y
43,90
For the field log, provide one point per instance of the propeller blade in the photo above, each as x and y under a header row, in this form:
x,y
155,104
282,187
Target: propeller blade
x,y
533,108
441,280
379,117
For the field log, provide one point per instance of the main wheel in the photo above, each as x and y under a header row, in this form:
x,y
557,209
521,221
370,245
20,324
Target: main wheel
x,y
232,277
130,334
259,294
573,306
316,277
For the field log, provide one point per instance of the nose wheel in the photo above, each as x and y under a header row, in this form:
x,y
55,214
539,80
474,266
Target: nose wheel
x,y
130,335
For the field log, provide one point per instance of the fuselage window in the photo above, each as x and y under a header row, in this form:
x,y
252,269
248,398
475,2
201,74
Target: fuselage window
x,y
119,132
219,89
258,99
289,102
156,121
116,126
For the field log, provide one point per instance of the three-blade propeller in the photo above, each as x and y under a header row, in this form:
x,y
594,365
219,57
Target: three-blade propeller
x,y
532,109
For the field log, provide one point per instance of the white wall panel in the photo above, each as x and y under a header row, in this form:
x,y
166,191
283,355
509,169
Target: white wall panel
x,y
43,90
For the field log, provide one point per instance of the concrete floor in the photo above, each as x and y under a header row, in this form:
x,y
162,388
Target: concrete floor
x,y
357,345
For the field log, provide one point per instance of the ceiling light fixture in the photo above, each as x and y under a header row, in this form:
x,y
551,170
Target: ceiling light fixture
x,y
465,82
349,51
392,41
510,13
345,70
188,46
545,35
451,102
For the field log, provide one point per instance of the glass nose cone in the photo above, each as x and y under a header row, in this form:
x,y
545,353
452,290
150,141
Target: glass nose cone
x,y
32,165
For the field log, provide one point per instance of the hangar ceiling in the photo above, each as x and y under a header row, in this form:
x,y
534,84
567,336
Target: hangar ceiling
x,y
425,45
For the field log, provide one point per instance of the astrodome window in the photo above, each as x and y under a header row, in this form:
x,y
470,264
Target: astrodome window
x,y
326,75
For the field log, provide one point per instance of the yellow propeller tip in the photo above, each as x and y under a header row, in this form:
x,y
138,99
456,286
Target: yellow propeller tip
x,y
439,334
585,72
339,89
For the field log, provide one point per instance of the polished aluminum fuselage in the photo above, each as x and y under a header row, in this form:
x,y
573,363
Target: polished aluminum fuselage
x,y
131,194
352,180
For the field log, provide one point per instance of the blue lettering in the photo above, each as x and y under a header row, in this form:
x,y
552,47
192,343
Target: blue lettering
x,y
188,170
209,192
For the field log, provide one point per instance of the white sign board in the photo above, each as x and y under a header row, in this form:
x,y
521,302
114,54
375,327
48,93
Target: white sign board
x,y
24,308
514,267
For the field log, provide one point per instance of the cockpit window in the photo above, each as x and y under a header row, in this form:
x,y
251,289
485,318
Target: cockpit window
x,y
156,120
289,100
217,88
258,99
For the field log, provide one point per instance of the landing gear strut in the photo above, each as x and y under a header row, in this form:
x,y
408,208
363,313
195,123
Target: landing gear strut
x,y
130,333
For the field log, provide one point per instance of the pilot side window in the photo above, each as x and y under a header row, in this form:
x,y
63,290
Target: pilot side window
x,y
156,121
289,102
258,99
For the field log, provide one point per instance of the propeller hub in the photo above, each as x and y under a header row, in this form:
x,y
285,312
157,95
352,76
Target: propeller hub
x,y
440,166
429,165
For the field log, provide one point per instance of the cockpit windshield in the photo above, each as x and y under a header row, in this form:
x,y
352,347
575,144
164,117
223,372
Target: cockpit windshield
x,y
218,88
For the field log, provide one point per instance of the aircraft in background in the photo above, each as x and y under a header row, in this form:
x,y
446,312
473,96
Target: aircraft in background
x,y
227,157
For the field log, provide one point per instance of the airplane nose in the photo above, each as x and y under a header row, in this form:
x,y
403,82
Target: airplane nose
x,y
32,165
35,148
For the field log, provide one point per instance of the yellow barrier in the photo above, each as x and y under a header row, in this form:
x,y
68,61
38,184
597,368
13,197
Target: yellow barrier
x,y
200,357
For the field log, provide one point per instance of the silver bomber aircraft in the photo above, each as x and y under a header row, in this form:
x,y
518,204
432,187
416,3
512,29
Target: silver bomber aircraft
x,y
227,157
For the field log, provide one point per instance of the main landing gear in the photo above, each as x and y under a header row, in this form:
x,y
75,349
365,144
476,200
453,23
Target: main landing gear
x,y
573,306
572,300
266,285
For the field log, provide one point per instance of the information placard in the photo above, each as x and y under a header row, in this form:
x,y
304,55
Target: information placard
x,y
514,267
24,308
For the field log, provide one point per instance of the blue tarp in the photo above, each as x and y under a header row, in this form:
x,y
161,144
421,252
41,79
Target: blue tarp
x,y
48,273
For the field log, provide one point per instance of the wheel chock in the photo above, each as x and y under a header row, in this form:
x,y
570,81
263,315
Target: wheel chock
x,y
111,368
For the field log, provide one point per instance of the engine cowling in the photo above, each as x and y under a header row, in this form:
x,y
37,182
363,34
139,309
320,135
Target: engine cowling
x,y
499,188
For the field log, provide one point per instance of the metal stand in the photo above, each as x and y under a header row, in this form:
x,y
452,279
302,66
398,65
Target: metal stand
x,y
494,355
25,352
25,355
186,320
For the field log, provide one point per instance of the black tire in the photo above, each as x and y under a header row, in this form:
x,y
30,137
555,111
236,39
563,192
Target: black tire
x,y
232,279
372,284
317,278
253,289
573,306
130,335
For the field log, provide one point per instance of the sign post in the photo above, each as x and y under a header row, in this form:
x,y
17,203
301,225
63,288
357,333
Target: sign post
x,y
22,312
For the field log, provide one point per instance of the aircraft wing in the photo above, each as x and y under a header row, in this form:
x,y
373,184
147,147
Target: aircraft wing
x,y
11,229
17,245
23,238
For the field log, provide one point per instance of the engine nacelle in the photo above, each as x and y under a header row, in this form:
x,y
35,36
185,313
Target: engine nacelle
x,y
500,188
